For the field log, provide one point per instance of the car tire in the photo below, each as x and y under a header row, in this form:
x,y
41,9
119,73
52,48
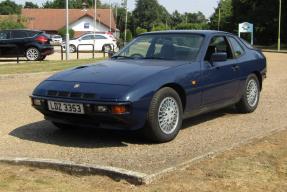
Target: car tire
x,y
251,95
33,54
164,118
106,48
72,49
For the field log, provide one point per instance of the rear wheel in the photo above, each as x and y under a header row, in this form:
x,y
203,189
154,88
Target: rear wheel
x,y
33,54
107,48
164,118
250,98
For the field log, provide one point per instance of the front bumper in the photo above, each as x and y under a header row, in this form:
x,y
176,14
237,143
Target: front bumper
x,y
91,118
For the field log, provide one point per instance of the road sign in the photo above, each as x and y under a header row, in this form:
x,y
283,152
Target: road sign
x,y
246,28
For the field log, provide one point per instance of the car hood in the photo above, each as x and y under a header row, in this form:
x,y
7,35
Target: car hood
x,y
116,72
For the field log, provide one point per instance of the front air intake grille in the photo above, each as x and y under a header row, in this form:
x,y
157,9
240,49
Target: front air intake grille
x,y
70,95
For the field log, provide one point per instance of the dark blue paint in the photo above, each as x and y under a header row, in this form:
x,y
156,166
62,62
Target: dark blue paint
x,y
136,81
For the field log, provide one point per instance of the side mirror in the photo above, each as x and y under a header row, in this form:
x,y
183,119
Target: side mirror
x,y
218,57
110,53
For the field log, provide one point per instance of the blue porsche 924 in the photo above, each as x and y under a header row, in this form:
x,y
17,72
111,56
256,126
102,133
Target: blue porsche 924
x,y
155,82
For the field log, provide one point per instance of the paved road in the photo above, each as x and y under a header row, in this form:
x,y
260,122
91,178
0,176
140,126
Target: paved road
x,y
23,133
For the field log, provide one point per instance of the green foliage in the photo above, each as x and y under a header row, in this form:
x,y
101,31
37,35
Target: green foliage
x,y
160,28
73,4
192,26
29,4
10,24
8,7
129,36
140,31
263,14
62,32
149,13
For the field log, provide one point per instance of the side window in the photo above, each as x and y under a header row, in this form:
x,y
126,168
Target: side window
x,y
19,34
4,35
218,44
88,37
237,48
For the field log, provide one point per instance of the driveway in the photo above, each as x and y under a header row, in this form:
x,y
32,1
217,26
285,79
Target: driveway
x,y
24,133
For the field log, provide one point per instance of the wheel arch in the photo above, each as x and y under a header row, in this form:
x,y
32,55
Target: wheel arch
x,y
180,91
259,77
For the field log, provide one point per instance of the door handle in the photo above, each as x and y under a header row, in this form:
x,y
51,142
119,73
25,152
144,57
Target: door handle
x,y
235,67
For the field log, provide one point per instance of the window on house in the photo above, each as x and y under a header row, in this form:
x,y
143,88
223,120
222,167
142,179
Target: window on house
x,y
86,25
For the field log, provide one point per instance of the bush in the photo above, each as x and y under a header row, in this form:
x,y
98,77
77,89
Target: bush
x,y
9,24
140,30
160,28
129,35
62,32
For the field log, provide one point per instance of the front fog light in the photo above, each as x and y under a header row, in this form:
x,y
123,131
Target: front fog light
x,y
102,109
36,102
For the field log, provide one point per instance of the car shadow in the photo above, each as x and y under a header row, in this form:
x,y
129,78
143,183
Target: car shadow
x,y
46,132
12,60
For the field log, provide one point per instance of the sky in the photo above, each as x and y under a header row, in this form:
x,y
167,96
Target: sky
x,y
205,6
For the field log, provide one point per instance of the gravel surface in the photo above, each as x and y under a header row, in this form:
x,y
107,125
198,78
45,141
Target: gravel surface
x,y
23,133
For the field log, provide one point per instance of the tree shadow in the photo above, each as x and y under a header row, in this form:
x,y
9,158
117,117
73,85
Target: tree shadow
x,y
46,132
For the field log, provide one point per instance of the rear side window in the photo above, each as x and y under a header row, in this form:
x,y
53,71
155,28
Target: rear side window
x,y
100,37
32,33
4,35
19,34
237,48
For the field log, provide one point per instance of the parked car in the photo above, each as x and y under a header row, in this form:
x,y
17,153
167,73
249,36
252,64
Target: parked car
x,y
155,82
56,40
34,45
101,42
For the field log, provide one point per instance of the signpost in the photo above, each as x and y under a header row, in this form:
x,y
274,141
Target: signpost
x,y
246,28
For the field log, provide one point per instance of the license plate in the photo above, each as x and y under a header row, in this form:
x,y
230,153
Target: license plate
x,y
66,107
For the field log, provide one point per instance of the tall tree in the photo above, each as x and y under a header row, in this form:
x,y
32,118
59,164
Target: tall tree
x,y
149,13
73,4
8,7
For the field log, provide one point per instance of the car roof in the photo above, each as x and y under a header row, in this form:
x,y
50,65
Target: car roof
x,y
21,30
200,32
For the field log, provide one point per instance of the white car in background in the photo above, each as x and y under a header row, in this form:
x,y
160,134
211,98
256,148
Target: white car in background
x,y
101,42
56,40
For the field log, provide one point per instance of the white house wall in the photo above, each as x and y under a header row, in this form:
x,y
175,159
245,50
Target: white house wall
x,y
79,25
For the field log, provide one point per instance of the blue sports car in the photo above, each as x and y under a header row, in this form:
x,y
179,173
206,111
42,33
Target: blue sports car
x,y
155,82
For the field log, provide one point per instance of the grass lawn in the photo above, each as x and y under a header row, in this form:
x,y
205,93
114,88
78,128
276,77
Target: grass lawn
x,y
45,66
257,167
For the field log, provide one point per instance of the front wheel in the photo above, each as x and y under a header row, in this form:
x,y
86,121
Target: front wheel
x,y
251,95
164,118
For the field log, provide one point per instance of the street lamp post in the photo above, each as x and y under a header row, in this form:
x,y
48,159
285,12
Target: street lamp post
x,y
279,25
67,31
110,15
95,22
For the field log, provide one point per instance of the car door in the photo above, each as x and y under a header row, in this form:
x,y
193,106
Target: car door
x,y
86,43
100,42
18,41
220,79
4,43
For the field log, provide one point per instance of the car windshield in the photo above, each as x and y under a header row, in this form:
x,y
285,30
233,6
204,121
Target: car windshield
x,y
163,47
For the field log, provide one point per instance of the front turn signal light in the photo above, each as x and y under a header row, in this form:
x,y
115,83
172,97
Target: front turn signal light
x,y
119,109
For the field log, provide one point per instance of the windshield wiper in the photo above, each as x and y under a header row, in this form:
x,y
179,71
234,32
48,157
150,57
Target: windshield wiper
x,y
156,58
121,56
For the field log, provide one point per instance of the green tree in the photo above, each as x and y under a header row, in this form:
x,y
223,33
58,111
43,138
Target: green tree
x,y
29,4
8,7
10,24
192,26
140,31
149,13
73,4
62,32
